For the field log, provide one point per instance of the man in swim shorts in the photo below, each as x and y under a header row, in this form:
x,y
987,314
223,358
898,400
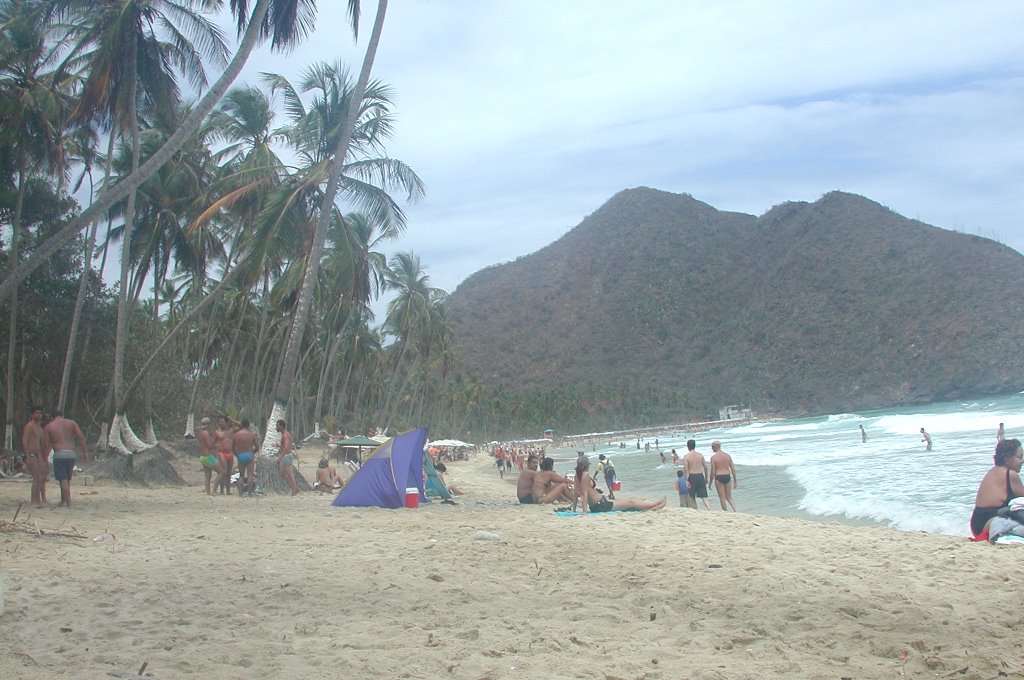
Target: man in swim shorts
x,y
927,439
696,469
327,477
724,473
65,438
208,458
285,458
244,441
37,456
524,485
223,442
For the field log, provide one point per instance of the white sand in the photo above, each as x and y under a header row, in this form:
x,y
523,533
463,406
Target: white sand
x,y
282,587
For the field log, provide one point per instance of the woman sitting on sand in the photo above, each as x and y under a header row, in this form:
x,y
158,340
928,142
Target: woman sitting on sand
x,y
999,485
598,503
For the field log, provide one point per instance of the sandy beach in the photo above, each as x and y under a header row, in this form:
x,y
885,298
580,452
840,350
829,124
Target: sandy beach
x,y
278,587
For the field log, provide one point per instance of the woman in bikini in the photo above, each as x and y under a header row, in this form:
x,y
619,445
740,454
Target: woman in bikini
x,y
999,485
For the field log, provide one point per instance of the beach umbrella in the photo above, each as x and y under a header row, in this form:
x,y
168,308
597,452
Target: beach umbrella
x,y
357,443
452,443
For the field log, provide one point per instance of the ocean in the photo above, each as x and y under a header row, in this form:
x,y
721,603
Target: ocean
x,y
818,468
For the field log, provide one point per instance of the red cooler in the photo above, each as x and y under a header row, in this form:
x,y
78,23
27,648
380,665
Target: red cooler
x,y
616,485
412,497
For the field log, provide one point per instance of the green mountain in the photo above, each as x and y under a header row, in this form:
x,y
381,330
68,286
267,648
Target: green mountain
x,y
835,305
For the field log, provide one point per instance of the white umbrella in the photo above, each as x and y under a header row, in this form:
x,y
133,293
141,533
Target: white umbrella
x,y
453,443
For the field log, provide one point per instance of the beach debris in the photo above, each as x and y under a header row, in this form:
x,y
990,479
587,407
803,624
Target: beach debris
x,y
26,528
436,577
66,629
493,652
486,536
539,568
576,641
654,615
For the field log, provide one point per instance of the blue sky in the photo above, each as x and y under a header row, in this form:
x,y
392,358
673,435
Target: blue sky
x,y
524,117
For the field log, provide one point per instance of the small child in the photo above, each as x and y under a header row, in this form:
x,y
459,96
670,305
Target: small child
x,y
682,487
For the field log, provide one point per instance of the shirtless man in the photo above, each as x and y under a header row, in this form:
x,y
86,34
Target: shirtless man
x,y
926,438
524,486
223,441
208,458
62,435
37,456
724,473
327,477
244,441
285,458
696,469
548,485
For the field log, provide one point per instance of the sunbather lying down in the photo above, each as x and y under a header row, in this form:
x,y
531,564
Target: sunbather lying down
x,y
596,502
327,477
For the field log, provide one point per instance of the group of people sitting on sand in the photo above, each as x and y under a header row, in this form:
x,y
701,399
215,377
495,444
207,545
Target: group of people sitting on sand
x,y
539,484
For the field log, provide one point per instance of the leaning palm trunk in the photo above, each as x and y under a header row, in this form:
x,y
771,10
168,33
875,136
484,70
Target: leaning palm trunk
x,y
291,354
83,285
173,144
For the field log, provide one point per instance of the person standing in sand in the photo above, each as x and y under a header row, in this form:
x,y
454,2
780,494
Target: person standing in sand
x,y
62,435
724,473
223,441
37,456
926,438
208,458
285,458
245,447
696,469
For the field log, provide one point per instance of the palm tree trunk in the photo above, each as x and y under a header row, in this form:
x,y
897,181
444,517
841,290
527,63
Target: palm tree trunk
x,y
121,336
12,339
291,356
328,364
83,287
173,144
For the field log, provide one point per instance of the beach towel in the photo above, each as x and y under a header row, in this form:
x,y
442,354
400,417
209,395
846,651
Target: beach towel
x,y
571,513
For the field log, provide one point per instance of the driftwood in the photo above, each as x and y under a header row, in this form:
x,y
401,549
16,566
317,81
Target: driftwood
x,y
24,527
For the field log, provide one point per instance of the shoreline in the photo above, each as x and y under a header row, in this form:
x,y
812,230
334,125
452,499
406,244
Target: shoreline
x,y
276,587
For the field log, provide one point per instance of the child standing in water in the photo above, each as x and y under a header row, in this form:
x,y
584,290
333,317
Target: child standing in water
x,y
682,488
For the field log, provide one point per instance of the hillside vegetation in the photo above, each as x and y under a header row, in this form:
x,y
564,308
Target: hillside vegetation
x,y
659,306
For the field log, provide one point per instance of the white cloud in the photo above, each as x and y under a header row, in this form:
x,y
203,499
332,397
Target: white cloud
x,y
523,117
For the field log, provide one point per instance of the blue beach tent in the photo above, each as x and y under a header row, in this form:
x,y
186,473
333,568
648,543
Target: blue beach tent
x,y
394,467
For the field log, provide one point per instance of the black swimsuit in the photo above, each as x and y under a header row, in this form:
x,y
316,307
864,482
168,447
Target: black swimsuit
x,y
981,516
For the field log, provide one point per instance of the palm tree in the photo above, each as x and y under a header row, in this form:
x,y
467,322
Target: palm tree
x,y
344,137
289,23
33,104
125,44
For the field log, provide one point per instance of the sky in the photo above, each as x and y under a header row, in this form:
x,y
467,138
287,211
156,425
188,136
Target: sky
x,y
522,117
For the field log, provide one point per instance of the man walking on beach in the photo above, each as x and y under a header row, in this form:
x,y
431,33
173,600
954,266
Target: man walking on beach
x,y
724,473
696,469
208,458
62,435
606,468
245,447
286,459
37,456
926,439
